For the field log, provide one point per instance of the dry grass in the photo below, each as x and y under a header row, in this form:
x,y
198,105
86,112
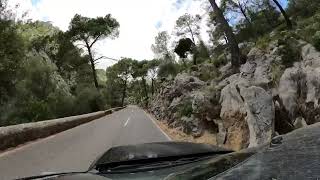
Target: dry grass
x,y
177,135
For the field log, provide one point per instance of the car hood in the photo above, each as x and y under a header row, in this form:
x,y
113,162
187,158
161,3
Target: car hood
x,y
155,151
292,156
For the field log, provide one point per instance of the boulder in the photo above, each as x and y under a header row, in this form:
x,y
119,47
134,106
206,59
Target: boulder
x,y
260,115
291,87
191,125
310,56
299,87
299,123
247,114
184,84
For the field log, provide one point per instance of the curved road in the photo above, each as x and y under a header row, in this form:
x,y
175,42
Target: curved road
x,y
75,149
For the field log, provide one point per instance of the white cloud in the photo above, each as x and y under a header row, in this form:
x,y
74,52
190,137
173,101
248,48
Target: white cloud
x,y
138,20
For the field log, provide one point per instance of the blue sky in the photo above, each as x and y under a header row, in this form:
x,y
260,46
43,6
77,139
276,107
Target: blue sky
x,y
35,2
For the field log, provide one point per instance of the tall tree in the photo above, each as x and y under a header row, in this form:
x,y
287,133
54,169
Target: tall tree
x,y
140,70
232,41
188,25
283,12
236,6
124,71
160,46
153,67
89,31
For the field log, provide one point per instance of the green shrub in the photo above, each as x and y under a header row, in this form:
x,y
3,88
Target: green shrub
x,y
207,72
168,68
220,60
185,109
263,42
289,51
89,100
316,40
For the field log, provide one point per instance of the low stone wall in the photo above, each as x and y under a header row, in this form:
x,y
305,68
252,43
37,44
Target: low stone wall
x,y
15,135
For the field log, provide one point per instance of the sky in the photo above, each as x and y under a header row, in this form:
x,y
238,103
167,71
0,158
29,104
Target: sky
x,y
140,21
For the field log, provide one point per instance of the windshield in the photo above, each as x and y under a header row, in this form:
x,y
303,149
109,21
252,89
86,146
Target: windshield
x,y
89,84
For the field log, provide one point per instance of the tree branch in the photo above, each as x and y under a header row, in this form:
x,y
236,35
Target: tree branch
x,y
104,57
95,40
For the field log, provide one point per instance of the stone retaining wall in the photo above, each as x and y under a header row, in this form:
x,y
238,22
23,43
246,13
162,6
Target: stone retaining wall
x,y
15,135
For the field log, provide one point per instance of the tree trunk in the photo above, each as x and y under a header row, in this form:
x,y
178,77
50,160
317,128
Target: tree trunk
x,y
194,48
286,17
152,86
195,54
244,13
124,92
145,90
232,41
95,79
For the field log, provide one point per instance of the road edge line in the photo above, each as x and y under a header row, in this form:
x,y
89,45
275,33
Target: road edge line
x,y
154,122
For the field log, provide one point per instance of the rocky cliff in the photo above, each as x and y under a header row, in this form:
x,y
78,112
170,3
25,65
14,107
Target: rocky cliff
x,y
276,91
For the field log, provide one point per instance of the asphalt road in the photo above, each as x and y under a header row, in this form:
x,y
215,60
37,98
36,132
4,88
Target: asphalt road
x,y
75,149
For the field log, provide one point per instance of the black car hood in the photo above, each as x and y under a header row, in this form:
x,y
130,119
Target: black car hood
x,y
155,151
294,156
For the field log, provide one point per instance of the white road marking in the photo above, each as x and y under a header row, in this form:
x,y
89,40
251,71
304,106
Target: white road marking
x,y
154,121
125,124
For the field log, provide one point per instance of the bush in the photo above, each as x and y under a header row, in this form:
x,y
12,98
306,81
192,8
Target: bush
x,y
263,42
207,72
61,104
289,51
89,100
316,40
185,109
220,61
168,68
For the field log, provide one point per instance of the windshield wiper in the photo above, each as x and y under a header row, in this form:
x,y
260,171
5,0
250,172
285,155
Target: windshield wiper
x,y
48,175
149,164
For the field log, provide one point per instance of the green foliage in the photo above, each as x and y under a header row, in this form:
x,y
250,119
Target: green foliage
x,y
263,42
89,100
202,51
185,109
207,72
42,74
303,8
289,51
84,28
160,47
220,60
188,24
168,69
184,46
11,58
308,27
90,30
316,40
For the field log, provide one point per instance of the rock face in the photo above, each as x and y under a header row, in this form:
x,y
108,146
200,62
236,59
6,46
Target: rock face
x,y
299,87
246,109
182,104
